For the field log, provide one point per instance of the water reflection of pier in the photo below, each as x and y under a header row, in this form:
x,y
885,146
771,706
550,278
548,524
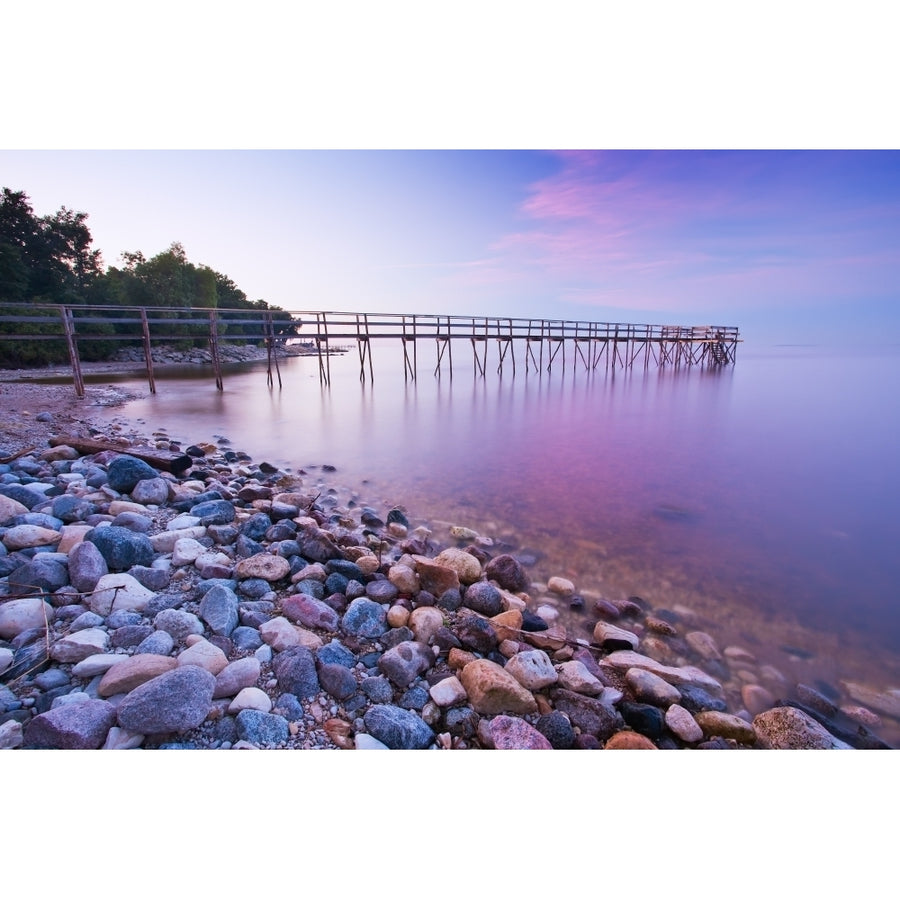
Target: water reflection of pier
x,y
541,343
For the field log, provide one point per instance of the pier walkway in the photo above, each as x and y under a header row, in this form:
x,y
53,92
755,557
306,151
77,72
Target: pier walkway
x,y
541,343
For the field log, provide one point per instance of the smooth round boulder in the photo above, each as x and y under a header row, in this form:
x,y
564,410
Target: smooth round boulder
x,y
124,472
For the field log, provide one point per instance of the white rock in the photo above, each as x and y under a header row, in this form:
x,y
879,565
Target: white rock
x,y
79,645
887,702
424,622
122,739
165,541
71,697
574,676
622,660
121,506
448,692
182,522
6,658
204,654
532,669
682,724
11,735
186,550
279,633
250,698
23,614
131,594
98,664
603,631
365,741
561,586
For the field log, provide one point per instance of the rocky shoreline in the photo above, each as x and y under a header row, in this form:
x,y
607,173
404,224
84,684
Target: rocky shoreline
x,y
238,606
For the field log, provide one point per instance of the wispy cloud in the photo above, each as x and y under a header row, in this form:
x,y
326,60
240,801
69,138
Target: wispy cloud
x,y
693,230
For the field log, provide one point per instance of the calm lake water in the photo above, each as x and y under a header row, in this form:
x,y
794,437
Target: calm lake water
x,y
764,496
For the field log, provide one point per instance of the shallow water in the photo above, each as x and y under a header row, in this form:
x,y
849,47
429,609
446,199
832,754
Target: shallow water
x,y
760,496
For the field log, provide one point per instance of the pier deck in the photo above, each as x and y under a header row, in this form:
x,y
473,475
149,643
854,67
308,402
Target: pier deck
x,y
542,343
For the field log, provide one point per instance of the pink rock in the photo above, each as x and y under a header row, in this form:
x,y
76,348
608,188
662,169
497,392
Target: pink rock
x,y
509,733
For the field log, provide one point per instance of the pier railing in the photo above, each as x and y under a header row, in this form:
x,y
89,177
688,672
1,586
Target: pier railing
x,y
541,342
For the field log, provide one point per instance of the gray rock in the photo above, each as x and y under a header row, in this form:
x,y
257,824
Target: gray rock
x,y
382,591
121,547
178,623
69,508
788,728
378,689
335,652
236,676
587,713
130,636
73,726
364,618
41,573
124,472
219,609
246,638
86,620
257,727
160,643
214,512
405,662
86,566
484,598
295,669
151,491
173,702
398,729
337,680
133,522
151,578
557,728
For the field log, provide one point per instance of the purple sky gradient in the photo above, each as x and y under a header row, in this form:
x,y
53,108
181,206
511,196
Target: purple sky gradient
x,y
787,244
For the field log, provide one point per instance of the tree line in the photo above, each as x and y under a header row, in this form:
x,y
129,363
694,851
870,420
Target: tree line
x,y
50,260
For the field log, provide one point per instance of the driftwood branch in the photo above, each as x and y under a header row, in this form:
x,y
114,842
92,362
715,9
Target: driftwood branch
x,y
176,463
9,459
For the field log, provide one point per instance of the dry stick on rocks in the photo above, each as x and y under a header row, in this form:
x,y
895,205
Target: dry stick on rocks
x,y
9,459
39,590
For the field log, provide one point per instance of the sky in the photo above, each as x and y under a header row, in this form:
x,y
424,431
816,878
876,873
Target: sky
x,y
792,246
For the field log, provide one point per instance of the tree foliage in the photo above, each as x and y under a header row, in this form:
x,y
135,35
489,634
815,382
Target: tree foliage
x,y
49,260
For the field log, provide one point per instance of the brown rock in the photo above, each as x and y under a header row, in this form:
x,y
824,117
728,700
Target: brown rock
x,y
492,690
434,577
466,566
132,672
720,724
263,565
629,740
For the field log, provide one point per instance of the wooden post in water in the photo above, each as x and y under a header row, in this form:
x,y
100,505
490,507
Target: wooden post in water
x,y
444,343
271,348
148,354
409,368
504,344
71,345
364,346
322,336
214,349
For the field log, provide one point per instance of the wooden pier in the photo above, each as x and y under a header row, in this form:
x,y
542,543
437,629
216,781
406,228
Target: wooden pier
x,y
541,343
